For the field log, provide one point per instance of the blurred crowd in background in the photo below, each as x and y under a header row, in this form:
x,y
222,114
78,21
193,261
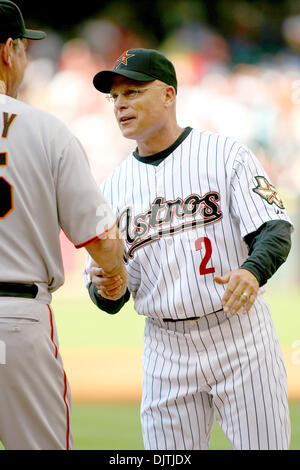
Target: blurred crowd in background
x,y
256,101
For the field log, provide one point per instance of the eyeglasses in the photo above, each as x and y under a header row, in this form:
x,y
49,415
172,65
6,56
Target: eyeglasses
x,y
129,94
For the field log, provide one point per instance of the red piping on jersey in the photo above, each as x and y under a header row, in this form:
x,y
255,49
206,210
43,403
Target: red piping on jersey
x,y
65,380
97,237
68,412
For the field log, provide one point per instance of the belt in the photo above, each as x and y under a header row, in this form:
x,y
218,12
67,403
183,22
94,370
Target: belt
x,y
185,319
13,289
180,319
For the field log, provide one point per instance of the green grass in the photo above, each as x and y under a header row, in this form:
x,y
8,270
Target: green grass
x,y
81,324
117,426
285,307
106,426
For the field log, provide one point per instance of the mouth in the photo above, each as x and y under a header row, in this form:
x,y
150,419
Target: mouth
x,y
125,119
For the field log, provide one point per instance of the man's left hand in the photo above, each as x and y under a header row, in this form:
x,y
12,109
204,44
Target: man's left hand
x,y
241,291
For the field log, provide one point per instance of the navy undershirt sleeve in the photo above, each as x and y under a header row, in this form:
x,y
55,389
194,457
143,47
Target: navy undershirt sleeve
x,y
268,247
108,306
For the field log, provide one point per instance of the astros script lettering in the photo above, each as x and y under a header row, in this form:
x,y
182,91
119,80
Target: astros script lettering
x,y
204,209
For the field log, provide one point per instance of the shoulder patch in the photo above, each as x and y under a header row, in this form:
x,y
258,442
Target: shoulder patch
x,y
267,191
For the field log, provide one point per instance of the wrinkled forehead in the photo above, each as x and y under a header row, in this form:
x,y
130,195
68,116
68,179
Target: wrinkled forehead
x,y
123,82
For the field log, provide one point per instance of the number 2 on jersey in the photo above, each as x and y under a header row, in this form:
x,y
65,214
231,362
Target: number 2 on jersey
x,y
200,243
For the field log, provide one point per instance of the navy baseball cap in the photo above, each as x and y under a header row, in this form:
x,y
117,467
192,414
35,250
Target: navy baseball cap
x,y
143,65
12,23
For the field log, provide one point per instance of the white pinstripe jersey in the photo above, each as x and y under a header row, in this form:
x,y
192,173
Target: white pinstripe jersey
x,y
184,221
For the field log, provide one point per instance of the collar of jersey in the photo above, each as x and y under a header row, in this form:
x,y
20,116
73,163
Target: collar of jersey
x,y
157,158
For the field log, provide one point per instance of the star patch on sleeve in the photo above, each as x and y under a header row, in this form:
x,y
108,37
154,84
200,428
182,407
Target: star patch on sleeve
x,y
267,191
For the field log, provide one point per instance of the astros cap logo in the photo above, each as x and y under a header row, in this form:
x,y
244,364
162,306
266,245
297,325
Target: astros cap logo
x,y
123,59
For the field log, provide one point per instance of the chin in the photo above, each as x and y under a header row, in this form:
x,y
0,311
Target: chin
x,y
128,134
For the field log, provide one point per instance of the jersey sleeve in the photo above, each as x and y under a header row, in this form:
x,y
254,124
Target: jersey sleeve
x,y
84,214
254,199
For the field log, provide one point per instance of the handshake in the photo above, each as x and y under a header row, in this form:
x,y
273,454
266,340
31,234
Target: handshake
x,y
111,286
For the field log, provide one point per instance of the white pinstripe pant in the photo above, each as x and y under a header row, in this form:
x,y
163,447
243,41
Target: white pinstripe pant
x,y
231,367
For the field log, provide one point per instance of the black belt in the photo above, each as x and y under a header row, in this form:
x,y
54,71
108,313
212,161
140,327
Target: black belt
x,y
13,289
179,319
185,319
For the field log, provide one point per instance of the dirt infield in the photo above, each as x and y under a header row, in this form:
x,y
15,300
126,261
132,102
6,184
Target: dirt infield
x,y
116,374
103,374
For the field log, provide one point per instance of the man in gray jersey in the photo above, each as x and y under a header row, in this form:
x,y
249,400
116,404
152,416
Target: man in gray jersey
x,y
204,230
45,184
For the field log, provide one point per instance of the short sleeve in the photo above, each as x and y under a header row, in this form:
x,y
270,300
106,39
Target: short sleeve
x,y
254,199
84,214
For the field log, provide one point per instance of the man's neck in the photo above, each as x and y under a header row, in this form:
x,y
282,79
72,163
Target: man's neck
x,y
159,141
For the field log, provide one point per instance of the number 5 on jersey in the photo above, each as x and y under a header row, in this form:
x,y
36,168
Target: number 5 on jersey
x,y
204,243
6,191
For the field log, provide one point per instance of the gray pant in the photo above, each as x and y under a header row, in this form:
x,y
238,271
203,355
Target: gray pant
x,y
35,401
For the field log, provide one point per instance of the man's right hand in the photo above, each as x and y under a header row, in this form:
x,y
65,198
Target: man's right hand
x,y
111,286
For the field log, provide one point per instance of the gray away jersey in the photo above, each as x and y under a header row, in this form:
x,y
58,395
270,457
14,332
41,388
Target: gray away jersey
x,y
184,220
45,184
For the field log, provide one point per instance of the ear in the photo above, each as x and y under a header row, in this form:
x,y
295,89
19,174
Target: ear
x,y
170,95
7,51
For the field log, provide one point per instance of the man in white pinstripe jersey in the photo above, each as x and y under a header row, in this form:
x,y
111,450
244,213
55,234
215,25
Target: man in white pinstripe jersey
x,y
204,230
